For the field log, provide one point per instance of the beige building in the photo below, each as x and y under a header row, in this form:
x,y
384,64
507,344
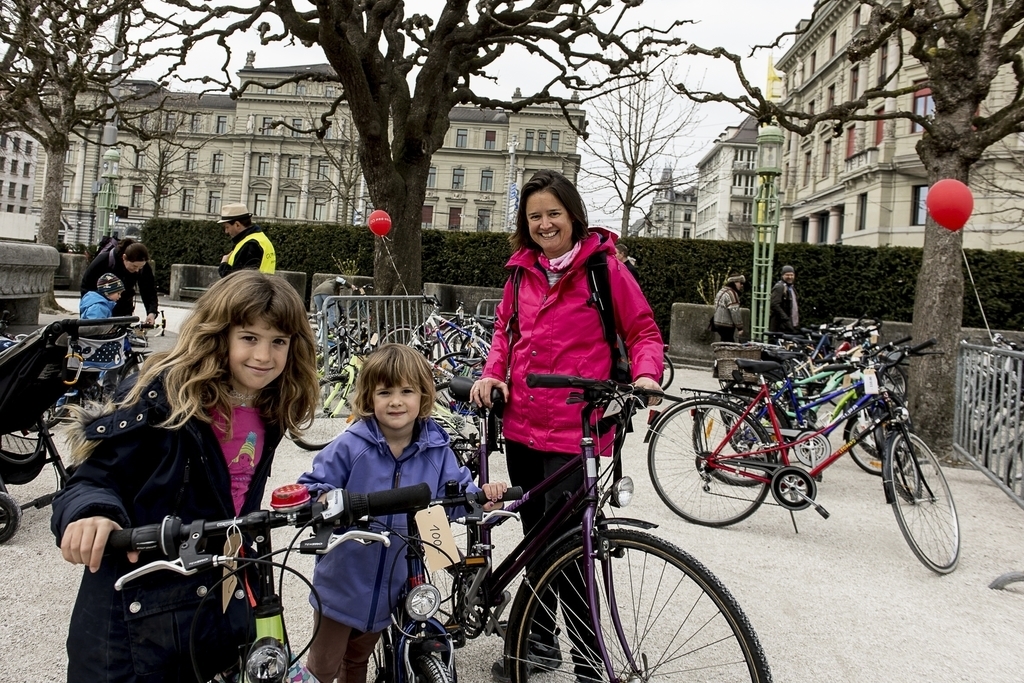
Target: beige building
x,y
867,186
213,150
17,179
672,213
727,185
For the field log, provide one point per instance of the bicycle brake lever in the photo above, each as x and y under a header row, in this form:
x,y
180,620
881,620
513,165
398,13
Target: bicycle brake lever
x,y
499,514
175,566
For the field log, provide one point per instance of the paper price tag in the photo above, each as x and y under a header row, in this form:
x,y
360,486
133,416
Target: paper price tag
x,y
874,338
232,544
870,381
439,549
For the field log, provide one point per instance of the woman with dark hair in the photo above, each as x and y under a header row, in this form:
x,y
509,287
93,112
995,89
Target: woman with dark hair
x,y
128,260
551,325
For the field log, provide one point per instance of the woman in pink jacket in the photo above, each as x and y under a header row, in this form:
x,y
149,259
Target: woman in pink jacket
x,y
558,330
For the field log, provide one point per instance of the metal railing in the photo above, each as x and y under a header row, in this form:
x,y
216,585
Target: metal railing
x,y
485,307
373,315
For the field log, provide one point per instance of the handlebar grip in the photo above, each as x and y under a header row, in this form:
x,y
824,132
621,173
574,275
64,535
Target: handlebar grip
x,y
511,493
901,341
161,536
923,345
123,320
379,503
548,381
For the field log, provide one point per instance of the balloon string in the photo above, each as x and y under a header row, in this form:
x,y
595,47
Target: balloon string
x,y
976,296
384,240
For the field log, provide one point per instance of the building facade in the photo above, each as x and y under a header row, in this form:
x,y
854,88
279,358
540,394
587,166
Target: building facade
x,y
259,149
673,210
727,185
17,180
867,185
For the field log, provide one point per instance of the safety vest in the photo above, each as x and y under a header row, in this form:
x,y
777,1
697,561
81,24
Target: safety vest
x,y
269,263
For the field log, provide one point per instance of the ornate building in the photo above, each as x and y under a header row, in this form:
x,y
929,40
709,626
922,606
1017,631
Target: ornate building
x,y
727,184
672,213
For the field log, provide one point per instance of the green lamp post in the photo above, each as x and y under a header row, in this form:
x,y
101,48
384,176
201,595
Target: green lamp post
x,y
766,225
106,201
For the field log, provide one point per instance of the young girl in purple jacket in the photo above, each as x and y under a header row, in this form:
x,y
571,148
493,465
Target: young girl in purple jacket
x,y
394,444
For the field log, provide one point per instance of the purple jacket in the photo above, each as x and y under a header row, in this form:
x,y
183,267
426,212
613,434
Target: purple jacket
x,y
359,585
561,334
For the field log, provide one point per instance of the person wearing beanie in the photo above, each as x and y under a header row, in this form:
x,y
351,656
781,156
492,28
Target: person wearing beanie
x,y
100,304
785,314
728,320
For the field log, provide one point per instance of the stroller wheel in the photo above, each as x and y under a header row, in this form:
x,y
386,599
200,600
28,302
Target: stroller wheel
x,y
10,517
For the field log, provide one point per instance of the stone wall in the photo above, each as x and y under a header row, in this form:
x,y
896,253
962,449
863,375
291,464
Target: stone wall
x,y
70,271
689,339
26,273
190,281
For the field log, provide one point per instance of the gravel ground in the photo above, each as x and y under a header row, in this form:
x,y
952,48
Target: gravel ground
x,y
843,600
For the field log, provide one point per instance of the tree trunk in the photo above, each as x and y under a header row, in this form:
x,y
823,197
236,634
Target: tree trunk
x,y
938,314
397,262
56,146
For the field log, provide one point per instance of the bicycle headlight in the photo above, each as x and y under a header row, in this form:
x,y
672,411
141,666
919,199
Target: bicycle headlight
x,y
622,492
267,661
423,602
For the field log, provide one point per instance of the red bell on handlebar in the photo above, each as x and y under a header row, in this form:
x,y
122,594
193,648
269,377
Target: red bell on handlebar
x,y
289,497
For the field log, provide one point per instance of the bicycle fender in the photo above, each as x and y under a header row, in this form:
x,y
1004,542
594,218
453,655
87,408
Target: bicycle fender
x,y
602,524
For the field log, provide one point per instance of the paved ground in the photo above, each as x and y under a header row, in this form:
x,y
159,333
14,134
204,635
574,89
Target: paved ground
x,y
843,600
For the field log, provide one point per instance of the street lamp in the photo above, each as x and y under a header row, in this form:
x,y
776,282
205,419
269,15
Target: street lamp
x,y
106,202
766,225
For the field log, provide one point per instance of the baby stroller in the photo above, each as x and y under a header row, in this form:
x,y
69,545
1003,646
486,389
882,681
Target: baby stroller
x,y
32,378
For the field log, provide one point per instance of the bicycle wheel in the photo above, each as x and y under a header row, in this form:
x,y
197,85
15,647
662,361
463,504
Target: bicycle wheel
x,y
865,453
921,500
663,617
669,374
430,669
694,488
333,414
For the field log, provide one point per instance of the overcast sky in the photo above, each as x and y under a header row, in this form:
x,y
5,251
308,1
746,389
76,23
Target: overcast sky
x,y
734,24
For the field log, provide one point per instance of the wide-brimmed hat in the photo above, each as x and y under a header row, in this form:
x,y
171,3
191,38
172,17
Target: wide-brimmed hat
x,y
109,284
233,212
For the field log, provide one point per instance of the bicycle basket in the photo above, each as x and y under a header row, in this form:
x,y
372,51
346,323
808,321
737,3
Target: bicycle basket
x,y
101,354
726,354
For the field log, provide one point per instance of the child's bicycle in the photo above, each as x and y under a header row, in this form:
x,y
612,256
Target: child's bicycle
x,y
634,607
193,547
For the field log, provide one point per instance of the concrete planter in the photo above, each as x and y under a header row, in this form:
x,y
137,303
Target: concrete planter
x,y
26,274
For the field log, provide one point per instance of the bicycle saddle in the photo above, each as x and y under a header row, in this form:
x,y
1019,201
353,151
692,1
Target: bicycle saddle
x,y
767,368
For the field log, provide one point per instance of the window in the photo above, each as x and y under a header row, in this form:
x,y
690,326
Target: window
x,y
747,212
22,209
10,208
196,124
28,146
458,179
432,177
862,211
483,220
222,125
16,142
136,199
830,98
69,155
486,181
3,140
290,204
14,166
217,165
918,210
810,108
164,195
807,168
813,62
12,190
319,209
688,216
854,82
259,204
856,17
26,169
65,191
832,45
455,218
268,125
826,159
191,161
323,169
213,202
924,105
300,88
329,91
3,164
490,138
170,121
529,141
427,217
883,63
297,124
188,200
263,165
554,140
293,167
879,126
823,229
851,141
542,140
461,137
140,159
24,191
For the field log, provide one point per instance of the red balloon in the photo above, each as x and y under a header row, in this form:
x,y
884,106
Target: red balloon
x,y
380,222
950,203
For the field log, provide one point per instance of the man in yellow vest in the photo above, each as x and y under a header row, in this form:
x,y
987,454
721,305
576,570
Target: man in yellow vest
x,y
252,248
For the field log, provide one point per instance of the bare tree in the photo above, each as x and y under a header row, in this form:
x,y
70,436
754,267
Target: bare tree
x,y
635,133
402,74
963,48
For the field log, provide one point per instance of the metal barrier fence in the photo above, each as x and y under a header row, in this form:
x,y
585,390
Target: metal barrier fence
x,y
485,307
384,316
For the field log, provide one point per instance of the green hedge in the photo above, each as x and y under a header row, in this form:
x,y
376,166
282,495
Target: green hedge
x,y
832,280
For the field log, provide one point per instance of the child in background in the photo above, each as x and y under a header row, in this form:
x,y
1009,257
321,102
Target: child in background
x,y
194,437
100,304
394,444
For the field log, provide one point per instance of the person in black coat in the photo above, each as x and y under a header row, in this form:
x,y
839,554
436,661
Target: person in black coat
x,y
129,261
193,438
784,315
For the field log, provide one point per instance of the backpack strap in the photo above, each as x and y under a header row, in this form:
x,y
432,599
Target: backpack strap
x,y
512,326
601,297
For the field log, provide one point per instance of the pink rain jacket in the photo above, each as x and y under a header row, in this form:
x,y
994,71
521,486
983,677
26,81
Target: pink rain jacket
x,y
561,334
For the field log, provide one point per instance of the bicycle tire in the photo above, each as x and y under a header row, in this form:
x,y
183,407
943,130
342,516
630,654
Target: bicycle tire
x,y
669,373
430,669
864,453
332,415
10,517
677,453
921,501
643,579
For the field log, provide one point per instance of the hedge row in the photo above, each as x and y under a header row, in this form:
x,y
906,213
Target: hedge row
x,y
832,280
